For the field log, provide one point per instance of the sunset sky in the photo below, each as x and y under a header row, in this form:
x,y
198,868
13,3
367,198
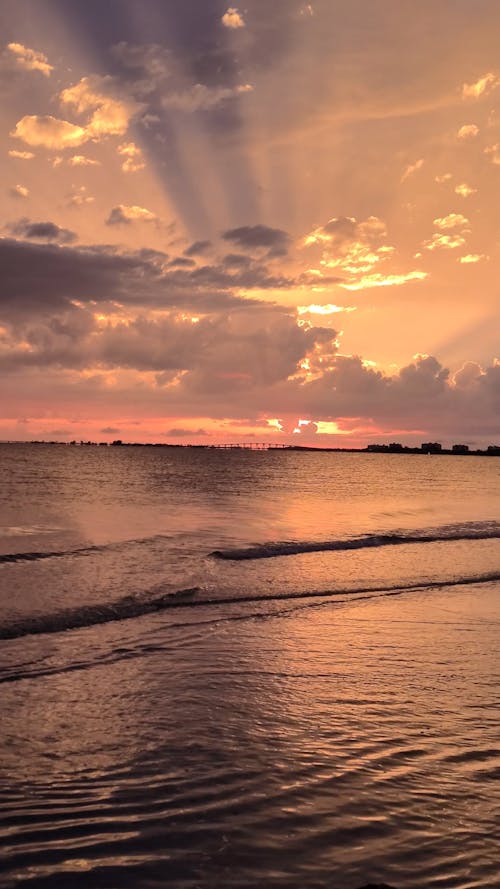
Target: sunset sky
x,y
277,221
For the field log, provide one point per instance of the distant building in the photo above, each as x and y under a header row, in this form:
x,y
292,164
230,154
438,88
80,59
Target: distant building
x,y
431,447
460,449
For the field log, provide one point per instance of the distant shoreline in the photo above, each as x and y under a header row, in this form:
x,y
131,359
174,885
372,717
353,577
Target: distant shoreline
x,y
427,449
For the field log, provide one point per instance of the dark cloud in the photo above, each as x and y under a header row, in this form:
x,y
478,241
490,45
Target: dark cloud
x,y
43,278
43,231
198,248
182,262
178,432
109,430
250,237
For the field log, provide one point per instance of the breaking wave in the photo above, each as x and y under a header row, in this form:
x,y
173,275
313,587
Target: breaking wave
x,y
131,606
478,531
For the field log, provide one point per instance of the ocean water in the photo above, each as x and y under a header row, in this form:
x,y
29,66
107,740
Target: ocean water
x,y
241,669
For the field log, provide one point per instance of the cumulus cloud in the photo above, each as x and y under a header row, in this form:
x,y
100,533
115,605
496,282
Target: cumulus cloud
x,y
444,242
357,250
452,220
232,19
29,59
44,130
133,157
18,191
124,215
468,131
44,231
110,115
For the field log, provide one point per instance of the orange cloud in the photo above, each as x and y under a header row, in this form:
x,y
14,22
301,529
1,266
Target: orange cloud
x,y
232,19
48,132
134,160
30,59
483,85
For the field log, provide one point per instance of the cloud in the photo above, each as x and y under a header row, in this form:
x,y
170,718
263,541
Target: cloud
x,y
202,98
80,160
49,132
179,432
198,248
78,197
124,215
444,177
444,242
133,157
232,19
19,191
45,231
480,87
384,280
464,190
110,115
412,168
30,59
468,131
471,258
452,220
327,309
250,237
494,152
21,155
39,278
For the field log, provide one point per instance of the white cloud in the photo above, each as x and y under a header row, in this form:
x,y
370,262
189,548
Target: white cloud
x,y
444,177
233,19
30,59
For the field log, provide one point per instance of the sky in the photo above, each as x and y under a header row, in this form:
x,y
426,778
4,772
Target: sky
x,y
271,222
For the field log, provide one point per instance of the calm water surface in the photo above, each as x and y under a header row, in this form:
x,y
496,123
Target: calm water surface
x,y
248,669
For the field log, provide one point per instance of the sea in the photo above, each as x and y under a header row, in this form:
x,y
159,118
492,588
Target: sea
x,y
242,668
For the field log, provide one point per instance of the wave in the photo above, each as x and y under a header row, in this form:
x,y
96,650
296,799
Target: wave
x,y
130,606
483,531
7,558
